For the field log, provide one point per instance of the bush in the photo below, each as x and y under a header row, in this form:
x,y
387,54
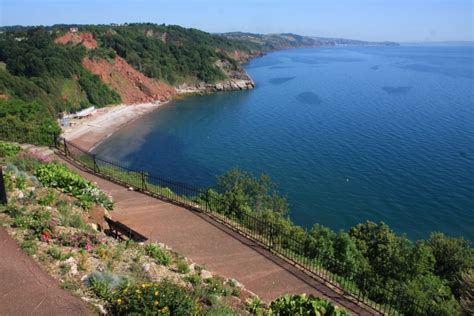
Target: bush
x,y
8,149
304,305
160,255
29,246
48,199
84,240
39,221
103,284
59,176
56,254
433,293
164,298
182,266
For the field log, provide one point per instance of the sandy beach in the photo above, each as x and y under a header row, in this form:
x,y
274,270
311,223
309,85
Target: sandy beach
x,y
90,131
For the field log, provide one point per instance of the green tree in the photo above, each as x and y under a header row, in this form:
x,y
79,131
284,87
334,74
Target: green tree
x,y
431,293
453,256
242,191
386,252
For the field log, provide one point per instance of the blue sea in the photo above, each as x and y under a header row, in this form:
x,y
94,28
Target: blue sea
x,y
349,134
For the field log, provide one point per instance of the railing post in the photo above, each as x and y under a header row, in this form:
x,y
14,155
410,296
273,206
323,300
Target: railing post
x,y
96,168
144,187
207,200
3,191
55,140
271,236
65,147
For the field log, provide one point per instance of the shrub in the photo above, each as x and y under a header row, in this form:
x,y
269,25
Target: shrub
x,y
29,246
467,293
20,182
304,305
48,199
182,266
55,253
8,149
194,279
164,298
59,176
103,283
256,306
85,240
39,221
24,162
160,255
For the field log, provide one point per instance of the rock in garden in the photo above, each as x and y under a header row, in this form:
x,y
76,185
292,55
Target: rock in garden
x,y
206,274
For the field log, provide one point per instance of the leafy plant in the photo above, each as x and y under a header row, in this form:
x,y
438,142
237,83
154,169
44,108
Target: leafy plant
x,y
8,149
256,306
59,176
160,255
300,305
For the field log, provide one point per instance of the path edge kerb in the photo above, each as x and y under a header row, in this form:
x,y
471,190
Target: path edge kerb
x,y
338,290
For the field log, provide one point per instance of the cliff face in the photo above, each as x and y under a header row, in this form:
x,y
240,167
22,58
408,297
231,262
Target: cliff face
x,y
86,39
130,84
238,79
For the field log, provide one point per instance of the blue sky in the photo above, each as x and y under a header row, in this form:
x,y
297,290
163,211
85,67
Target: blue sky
x,y
396,20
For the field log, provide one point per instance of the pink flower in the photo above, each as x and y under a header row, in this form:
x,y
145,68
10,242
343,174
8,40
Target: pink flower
x,y
88,247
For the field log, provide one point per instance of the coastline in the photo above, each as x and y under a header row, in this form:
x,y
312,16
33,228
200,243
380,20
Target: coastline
x,y
89,132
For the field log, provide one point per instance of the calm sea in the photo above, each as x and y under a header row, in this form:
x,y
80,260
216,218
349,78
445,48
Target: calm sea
x,y
349,134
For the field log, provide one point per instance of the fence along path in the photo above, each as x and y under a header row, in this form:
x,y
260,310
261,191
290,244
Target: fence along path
x,y
218,248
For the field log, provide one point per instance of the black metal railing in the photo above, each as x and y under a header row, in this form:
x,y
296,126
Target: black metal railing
x,y
295,248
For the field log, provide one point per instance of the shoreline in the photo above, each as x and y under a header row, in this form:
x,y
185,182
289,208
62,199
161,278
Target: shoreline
x,y
90,132
86,134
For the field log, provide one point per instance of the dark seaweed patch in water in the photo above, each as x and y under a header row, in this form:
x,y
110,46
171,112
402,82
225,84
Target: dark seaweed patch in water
x,y
375,67
324,60
396,90
279,67
458,72
309,97
280,80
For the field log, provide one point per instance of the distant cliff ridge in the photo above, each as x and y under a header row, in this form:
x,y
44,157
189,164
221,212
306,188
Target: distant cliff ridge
x,y
69,67
269,42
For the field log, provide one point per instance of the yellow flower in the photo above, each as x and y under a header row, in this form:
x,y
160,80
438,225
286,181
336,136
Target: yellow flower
x,y
138,291
119,301
143,286
156,302
165,309
156,293
125,290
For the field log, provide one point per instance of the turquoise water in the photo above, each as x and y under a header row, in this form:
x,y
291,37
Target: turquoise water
x,y
349,134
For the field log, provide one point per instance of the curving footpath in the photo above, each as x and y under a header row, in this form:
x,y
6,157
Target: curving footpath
x,y
25,289
213,245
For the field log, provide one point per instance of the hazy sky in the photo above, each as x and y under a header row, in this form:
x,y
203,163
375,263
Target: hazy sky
x,y
396,20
